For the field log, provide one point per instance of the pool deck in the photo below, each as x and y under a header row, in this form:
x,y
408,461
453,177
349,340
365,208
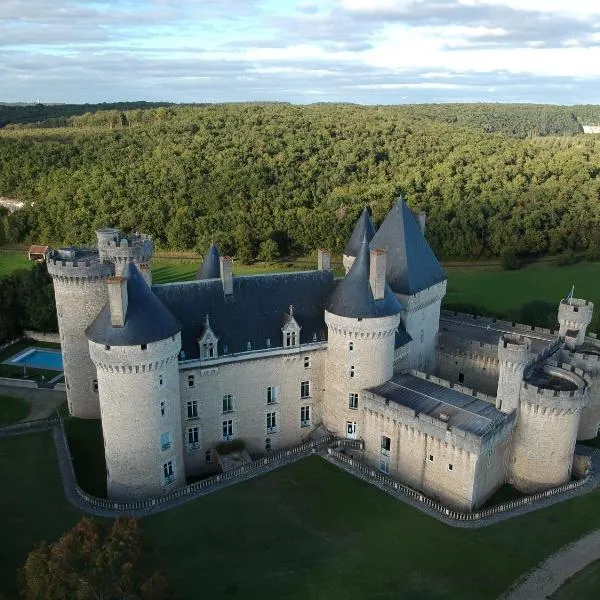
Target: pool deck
x,y
17,359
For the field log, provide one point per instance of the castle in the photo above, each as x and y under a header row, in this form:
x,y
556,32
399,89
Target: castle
x,y
177,371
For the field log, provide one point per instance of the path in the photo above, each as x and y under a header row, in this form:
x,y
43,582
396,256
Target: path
x,y
542,582
43,402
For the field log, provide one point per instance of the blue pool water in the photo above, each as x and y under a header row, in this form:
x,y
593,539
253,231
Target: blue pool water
x,y
40,359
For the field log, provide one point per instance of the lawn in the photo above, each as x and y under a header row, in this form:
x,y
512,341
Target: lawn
x,y
581,586
12,409
11,260
307,530
530,295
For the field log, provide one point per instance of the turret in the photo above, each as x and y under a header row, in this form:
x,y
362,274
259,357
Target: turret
x,y
134,344
364,228
362,318
514,353
79,279
574,316
211,266
121,249
543,443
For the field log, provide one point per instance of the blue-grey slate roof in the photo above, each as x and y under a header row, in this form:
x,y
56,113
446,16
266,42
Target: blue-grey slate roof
x,y
211,267
364,228
411,264
254,312
147,319
353,297
465,412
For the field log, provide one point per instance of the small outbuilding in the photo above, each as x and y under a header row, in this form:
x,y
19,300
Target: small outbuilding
x,y
38,253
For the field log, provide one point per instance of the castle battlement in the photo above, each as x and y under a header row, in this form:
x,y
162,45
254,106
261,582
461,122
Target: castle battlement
x,y
479,320
456,386
77,265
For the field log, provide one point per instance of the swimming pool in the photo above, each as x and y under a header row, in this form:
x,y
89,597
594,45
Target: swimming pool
x,y
39,358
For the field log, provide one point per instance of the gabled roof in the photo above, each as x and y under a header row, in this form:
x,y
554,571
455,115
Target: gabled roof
x,y
38,249
211,267
364,227
253,313
353,296
147,319
411,264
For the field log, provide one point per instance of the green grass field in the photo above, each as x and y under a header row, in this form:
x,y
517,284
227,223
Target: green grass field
x,y
12,409
11,260
581,586
305,531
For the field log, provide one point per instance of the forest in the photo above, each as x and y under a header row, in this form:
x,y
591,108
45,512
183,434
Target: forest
x,y
268,180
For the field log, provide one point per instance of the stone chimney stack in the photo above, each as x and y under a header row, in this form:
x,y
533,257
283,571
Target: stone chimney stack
x,y
117,300
324,260
422,217
227,274
377,273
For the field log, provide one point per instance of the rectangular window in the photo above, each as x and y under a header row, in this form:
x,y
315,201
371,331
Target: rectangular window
x,y
208,457
271,422
305,389
208,350
165,441
168,472
461,378
431,458
384,466
193,435
386,445
144,346
95,385
268,445
228,430
191,382
192,409
272,395
227,403
351,429
307,362
163,408
450,467
352,371
160,380
353,400
304,416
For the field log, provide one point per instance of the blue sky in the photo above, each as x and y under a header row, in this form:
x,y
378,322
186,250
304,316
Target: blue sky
x,y
367,51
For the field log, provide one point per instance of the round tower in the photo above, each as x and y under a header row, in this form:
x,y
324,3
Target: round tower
x,y
362,318
121,249
574,316
545,434
514,352
135,343
79,279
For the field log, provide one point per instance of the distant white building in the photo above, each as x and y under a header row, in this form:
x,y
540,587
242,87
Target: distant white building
x,y
178,371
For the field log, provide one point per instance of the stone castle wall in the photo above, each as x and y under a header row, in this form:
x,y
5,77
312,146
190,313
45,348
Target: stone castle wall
x,y
133,384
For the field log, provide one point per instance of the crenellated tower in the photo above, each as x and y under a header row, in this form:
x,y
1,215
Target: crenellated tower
x,y
362,319
514,353
79,279
120,249
574,316
134,344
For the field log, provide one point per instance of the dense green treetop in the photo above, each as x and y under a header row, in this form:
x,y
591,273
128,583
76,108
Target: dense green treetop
x,y
243,174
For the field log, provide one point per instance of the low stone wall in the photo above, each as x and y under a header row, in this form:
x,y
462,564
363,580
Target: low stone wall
x,y
53,338
21,383
475,319
27,427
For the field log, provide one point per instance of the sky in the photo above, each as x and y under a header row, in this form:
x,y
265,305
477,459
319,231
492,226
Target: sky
x,y
364,51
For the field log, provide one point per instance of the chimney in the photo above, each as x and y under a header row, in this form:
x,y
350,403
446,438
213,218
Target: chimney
x,y
146,272
421,218
117,300
227,274
377,273
324,260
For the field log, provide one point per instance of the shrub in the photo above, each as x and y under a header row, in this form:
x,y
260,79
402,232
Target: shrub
x,y
568,257
510,260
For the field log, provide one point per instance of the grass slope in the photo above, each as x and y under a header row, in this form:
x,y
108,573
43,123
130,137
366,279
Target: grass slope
x,y
12,409
308,530
582,586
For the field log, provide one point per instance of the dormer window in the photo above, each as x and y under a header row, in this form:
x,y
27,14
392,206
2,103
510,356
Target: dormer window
x,y
208,342
290,330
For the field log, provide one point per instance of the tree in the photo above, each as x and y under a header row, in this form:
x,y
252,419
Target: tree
x,y
268,251
509,260
90,562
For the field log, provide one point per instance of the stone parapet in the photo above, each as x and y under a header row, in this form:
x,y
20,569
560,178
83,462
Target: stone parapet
x,y
376,328
456,386
476,319
77,265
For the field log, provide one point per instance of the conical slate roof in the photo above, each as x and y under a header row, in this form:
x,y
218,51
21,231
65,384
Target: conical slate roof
x,y
364,227
411,264
147,319
211,267
353,296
